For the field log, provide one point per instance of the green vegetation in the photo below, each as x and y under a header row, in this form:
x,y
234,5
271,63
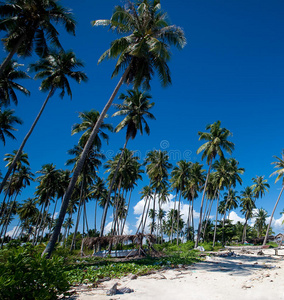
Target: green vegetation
x,y
25,275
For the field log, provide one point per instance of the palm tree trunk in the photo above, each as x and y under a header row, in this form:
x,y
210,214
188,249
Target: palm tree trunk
x,y
40,214
268,227
224,217
50,246
146,216
201,207
178,216
142,217
11,54
78,216
154,208
207,218
173,217
245,229
13,164
126,212
95,221
44,225
216,220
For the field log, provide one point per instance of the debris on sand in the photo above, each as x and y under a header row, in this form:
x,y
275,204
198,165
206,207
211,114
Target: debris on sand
x,y
114,290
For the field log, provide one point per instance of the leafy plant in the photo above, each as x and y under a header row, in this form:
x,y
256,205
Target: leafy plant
x,y
24,274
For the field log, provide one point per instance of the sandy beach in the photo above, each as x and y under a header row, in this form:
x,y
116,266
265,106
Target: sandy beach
x,y
241,276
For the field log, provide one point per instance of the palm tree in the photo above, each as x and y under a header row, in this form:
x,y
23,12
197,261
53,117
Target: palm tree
x,y
46,192
19,180
231,201
26,211
88,121
247,204
260,186
260,221
180,176
279,164
147,195
86,178
28,26
157,170
145,49
98,192
7,121
216,141
54,69
8,84
192,187
23,160
135,108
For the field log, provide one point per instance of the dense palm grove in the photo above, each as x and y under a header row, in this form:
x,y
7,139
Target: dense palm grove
x,y
142,50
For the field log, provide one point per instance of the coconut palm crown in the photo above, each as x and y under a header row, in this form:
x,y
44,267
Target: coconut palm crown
x,y
144,46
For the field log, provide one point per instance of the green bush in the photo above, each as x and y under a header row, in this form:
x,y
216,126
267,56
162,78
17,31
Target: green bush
x,y
25,275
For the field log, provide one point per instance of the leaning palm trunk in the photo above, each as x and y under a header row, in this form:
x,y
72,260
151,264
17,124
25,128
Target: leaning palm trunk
x,y
216,220
11,54
268,227
13,164
201,207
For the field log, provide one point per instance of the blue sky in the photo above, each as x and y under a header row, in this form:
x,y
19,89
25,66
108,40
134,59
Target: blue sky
x,y
230,70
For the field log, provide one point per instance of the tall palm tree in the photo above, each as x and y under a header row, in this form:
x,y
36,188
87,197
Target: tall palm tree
x,y
29,25
143,50
20,180
146,194
46,192
260,221
216,141
135,108
247,204
180,176
26,211
279,164
22,161
86,178
7,121
192,187
54,69
8,84
221,177
260,186
98,192
231,200
88,121
157,169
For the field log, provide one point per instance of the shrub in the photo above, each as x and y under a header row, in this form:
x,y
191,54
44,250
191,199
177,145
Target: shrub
x,y
25,275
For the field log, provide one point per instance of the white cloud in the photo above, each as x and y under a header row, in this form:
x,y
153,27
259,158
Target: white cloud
x,y
236,218
12,231
170,204
126,229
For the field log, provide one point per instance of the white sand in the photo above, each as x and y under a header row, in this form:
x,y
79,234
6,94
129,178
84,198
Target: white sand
x,y
242,277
